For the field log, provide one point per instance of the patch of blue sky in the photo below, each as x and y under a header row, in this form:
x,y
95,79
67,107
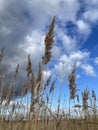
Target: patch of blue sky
x,y
91,82
91,43
82,9
71,29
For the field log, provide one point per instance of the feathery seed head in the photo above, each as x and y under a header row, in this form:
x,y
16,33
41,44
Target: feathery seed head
x,y
48,43
29,66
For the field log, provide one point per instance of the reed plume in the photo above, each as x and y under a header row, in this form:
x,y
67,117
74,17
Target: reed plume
x,y
29,66
39,78
52,86
72,82
48,43
1,54
32,83
47,82
16,71
85,97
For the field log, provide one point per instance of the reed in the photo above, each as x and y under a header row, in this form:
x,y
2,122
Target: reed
x,y
48,43
72,85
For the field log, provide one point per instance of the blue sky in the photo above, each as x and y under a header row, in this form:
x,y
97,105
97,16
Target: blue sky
x,y
24,25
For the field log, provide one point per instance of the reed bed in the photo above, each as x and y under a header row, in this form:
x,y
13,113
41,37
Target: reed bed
x,y
38,113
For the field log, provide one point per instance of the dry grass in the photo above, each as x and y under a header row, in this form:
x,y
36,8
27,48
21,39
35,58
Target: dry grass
x,y
65,124
38,115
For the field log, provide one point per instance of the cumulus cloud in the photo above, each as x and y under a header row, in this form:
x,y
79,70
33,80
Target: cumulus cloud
x,y
89,69
66,62
34,46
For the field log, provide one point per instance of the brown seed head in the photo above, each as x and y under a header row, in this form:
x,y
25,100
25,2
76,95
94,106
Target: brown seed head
x,y
85,97
1,54
72,83
29,66
16,71
47,82
52,86
48,43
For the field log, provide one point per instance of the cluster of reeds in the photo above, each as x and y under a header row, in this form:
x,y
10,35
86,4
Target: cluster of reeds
x,y
36,94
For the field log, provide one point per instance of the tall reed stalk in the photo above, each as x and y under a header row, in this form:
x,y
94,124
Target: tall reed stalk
x,y
72,85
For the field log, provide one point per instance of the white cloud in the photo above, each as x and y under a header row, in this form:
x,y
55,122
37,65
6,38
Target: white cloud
x,y
79,55
83,27
96,60
34,45
75,57
91,15
88,69
46,74
68,43
66,62
70,7
54,8
51,8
